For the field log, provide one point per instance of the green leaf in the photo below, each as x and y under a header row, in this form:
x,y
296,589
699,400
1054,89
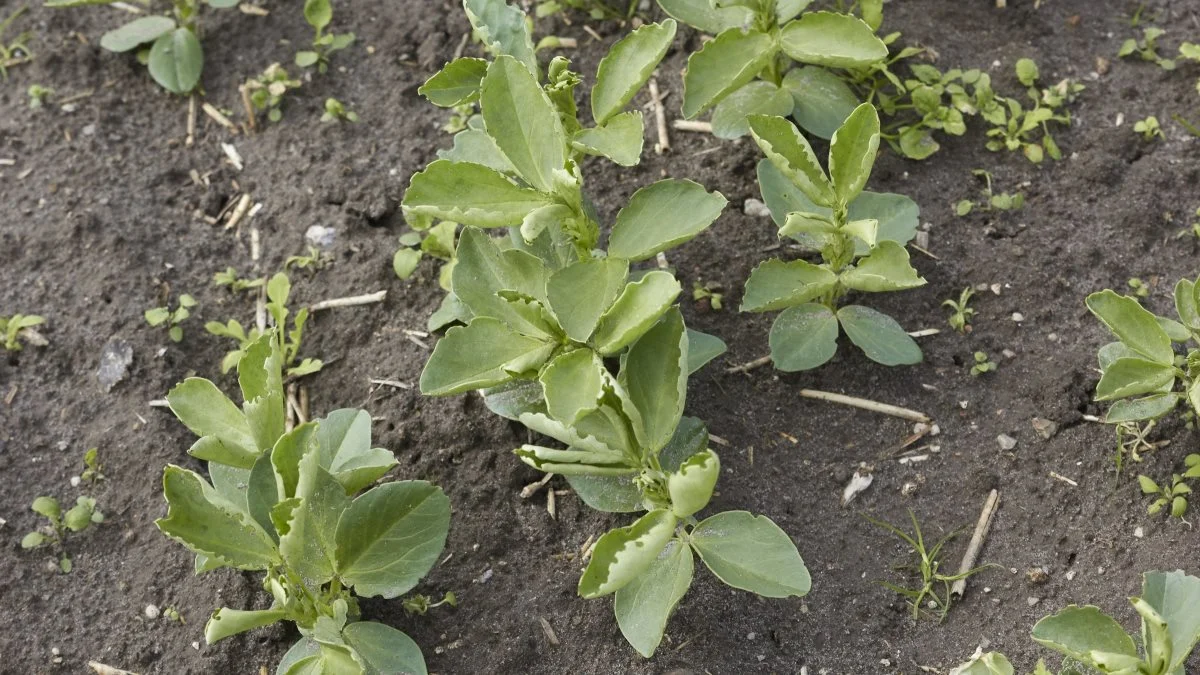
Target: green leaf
x,y
287,455
620,139
1130,376
1174,330
502,27
383,650
691,487
343,441
307,59
991,663
136,33
833,40
205,522
722,66
573,385
623,554
654,374
33,540
627,66
226,622
852,152
702,348
789,151
1148,408
391,536
803,337
1027,72
318,13
524,124
176,60
456,84
405,262
471,194
475,356
645,604
879,336
633,313
207,412
581,292
702,15
1176,597
887,268
308,544
483,271
46,506
751,553
822,100
786,10
1185,304
661,216
1083,632
757,98
1133,324
776,284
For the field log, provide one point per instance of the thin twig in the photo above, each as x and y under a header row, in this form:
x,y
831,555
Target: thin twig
x,y
251,123
690,125
219,117
981,529
925,333
239,211
1058,476
391,383
660,118
550,636
867,404
747,367
191,122
368,299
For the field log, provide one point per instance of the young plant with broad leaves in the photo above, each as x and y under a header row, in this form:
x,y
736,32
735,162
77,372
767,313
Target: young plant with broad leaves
x,y
319,14
15,328
860,236
748,68
76,519
174,56
278,290
288,503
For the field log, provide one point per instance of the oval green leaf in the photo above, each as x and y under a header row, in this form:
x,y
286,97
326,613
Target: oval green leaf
x,y
1080,632
751,553
136,33
852,152
627,66
456,84
822,100
382,650
789,151
722,66
623,554
471,194
644,606
887,268
524,124
831,39
176,60
474,357
879,336
661,216
757,98
633,313
803,337
1133,324
776,284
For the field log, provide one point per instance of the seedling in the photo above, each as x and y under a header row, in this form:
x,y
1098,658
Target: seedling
x,y
235,283
1174,495
319,13
860,236
17,51
990,663
598,10
998,201
748,68
279,288
932,591
1140,288
93,470
314,259
1192,230
708,293
1148,128
13,329
336,111
427,240
982,364
38,95
960,320
419,604
460,118
1146,48
285,504
1189,51
172,318
173,614
266,91
174,56
1132,440
77,519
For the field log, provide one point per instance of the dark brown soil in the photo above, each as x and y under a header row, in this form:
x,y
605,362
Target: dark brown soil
x,y
100,210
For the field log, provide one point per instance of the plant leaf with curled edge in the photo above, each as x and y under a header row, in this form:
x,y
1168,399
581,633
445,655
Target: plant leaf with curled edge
x,y
623,554
645,604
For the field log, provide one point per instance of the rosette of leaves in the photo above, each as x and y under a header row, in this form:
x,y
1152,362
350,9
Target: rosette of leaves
x,y
174,56
748,68
1142,374
1170,611
860,236
629,449
286,503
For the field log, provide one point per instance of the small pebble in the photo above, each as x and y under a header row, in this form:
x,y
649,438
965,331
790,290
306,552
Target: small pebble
x,y
75,481
751,636
1018,317
1032,601
1037,575
995,288
1139,532
1006,442
151,611
754,207
1008,353
89,130
1044,427
1070,575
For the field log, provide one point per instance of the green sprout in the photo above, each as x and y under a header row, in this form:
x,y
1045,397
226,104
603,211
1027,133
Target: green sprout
x,y
982,364
235,283
38,95
960,320
1176,494
1148,128
710,293
419,604
1140,288
336,111
1146,48
172,318
266,91
16,326
1192,230
77,519
991,201
93,470
17,51
278,291
314,259
319,13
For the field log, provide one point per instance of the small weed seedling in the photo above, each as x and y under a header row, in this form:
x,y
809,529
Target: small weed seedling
x,y
172,318
336,111
314,259
960,320
1148,128
77,519
1139,288
932,592
419,604
1192,230
16,51
708,294
1014,127
38,95
599,10
11,328
235,283
1002,201
1133,439
319,13
279,288
982,364
1146,48
92,469
1173,495
288,504
860,236
427,240
266,91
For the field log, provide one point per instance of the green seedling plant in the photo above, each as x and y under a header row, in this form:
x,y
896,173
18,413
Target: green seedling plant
x,y
1192,230
319,14
861,238
169,46
78,518
16,51
279,289
931,101
772,57
1173,495
419,604
38,95
1015,127
427,241
1148,128
93,471
314,259
599,10
336,111
1139,288
709,294
230,279
962,310
982,364
1146,48
172,318
292,505
1141,373
1002,201
931,592
266,91
12,327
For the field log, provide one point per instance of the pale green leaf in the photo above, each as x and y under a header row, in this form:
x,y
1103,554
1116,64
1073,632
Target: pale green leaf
x,y
1133,324
776,284
866,231
691,486
483,270
383,650
644,605
308,542
1079,632
405,261
573,385
1185,304
573,462
803,337
524,124
1136,410
204,521
287,455
207,412
991,663
654,374
833,40
136,33
786,10
722,66
318,13
471,194
623,554
789,151
627,66
852,152
822,100
633,313
702,15
502,27
887,268
751,553
1176,597
1130,376
702,348
756,98
620,139
473,146
176,59
1174,330
879,336
661,216
226,622
475,356
456,84
581,292
343,441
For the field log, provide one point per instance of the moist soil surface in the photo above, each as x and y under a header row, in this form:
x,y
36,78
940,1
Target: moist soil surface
x,y
103,215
